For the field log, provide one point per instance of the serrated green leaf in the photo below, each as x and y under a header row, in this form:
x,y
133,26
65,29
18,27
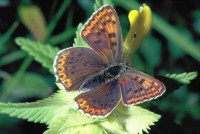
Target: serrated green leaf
x,y
136,119
184,78
73,122
60,114
43,111
44,54
78,41
113,125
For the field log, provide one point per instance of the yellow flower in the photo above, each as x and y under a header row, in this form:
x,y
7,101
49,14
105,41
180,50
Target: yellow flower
x,y
140,23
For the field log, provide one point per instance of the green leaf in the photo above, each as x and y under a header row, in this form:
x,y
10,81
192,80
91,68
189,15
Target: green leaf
x,y
44,54
73,122
26,88
60,114
78,41
151,51
113,124
183,78
136,119
43,111
100,3
6,36
12,57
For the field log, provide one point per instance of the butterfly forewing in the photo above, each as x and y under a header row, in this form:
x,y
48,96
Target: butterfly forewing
x,y
103,33
100,102
73,66
137,87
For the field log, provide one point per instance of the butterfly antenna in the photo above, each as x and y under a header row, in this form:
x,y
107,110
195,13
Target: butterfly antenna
x,y
134,36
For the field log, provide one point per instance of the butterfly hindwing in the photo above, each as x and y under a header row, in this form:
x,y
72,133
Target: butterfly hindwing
x,y
137,87
100,102
102,32
72,66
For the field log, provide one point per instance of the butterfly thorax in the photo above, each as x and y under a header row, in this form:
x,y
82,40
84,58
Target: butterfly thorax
x,y
103,77
114,71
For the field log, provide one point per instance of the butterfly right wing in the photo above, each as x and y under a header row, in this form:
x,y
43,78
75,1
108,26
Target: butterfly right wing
x,y
102,32
100,102
138,87
73,66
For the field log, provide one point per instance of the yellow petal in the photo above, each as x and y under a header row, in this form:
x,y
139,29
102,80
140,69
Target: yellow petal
x,y
140,23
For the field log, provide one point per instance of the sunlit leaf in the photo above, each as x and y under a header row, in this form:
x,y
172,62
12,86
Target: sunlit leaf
x,y
184,78
99,3
136,119
44,54
78,41
43,111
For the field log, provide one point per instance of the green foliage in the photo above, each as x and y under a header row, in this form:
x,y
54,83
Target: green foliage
x,y
59,111
7,35
26,88
135,119
99,3
42,53
61,116
151,52
179,39
43,111
78,41
11,57
184,78
58,15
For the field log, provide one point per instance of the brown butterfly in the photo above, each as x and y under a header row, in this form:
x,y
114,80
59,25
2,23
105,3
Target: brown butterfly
x,y
98,72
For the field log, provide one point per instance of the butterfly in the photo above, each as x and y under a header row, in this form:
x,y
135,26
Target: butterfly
x,y
98,72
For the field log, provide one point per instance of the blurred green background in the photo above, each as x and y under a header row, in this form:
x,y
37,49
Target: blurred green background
x,y
172,46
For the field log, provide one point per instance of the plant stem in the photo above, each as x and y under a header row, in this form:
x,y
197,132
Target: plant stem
x,y
64,36
7,35
56,18
16,79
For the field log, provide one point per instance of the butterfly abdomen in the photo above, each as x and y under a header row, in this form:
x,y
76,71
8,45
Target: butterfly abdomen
x,y
92,83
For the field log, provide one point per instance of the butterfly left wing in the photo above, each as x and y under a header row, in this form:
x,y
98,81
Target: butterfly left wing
x,y
74,65
137,87
102,32
100,102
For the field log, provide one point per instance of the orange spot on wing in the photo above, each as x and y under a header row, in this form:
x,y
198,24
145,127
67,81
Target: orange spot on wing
x,y
61,62
85,32
108,10
103,111
91,111
81,102
97,111
62,76
146,84
142,92
60,69
67,82
85,107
